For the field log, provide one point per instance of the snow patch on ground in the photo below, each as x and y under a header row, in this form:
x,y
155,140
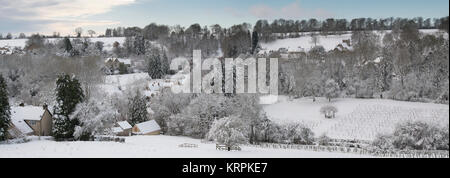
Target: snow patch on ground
x,y
118,84
357,118
304,43
150,147
329,42
108,42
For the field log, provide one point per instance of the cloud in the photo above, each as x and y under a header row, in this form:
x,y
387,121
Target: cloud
x,y
290,11
262,11
234,12
59,14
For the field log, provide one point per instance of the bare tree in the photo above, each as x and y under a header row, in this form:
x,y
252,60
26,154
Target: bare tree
x,y
91,33
314,39
79,31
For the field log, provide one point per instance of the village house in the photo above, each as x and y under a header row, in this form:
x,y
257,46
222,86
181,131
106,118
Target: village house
x,y
147,128
30,120
114,63
5,51
122,128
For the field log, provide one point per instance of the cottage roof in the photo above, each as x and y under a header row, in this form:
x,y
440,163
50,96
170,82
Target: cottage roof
x,y
124,125
22,126
20,114
147,127
32,113
117,130
125,61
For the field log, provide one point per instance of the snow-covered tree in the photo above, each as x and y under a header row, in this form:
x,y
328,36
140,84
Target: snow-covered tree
x,y
154,66
96,117
298,134
329,111
202,112
139,45
165,66
68,95
137,109
314,39
331,89
167,104
229,131
5,112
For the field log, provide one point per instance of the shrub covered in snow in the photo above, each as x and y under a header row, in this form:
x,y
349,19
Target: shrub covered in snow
x,y
329,111
415,136
168,104
96,118
384,142
229,131
324,140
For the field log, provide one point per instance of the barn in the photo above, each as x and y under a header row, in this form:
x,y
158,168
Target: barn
x,y
147,128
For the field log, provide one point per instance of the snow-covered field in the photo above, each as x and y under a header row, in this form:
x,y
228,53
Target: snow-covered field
x,y
108,42
117,84
330,42
149,147
120,84
357,118
304,43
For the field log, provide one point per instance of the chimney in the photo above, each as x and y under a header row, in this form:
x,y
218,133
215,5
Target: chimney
x,y
45,106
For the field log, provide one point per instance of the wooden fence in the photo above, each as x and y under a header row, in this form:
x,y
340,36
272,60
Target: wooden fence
x,y
361,151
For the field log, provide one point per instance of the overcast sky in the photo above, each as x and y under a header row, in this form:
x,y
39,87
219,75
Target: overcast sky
x,y
47,16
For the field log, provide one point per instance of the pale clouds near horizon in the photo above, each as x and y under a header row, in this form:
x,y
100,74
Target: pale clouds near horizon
x,y
48,16
292,10
59,15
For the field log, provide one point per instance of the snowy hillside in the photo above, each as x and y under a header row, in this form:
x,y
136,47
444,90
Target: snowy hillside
x,y
356,118
108,42
304,43
150,147
120,83
329,42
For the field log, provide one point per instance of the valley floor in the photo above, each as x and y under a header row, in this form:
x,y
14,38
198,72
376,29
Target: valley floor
x,y
361,119
150,147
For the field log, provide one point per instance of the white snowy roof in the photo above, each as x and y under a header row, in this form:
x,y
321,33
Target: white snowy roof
x,y
109,59
33,113
147,127
116,130
20,114
125,61
378,60
22,126
124,125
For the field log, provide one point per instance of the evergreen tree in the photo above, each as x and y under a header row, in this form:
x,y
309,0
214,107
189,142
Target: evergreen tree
x,y
255,40
67,45
139,45
154,66
68,94
165,64
137,109
5,110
